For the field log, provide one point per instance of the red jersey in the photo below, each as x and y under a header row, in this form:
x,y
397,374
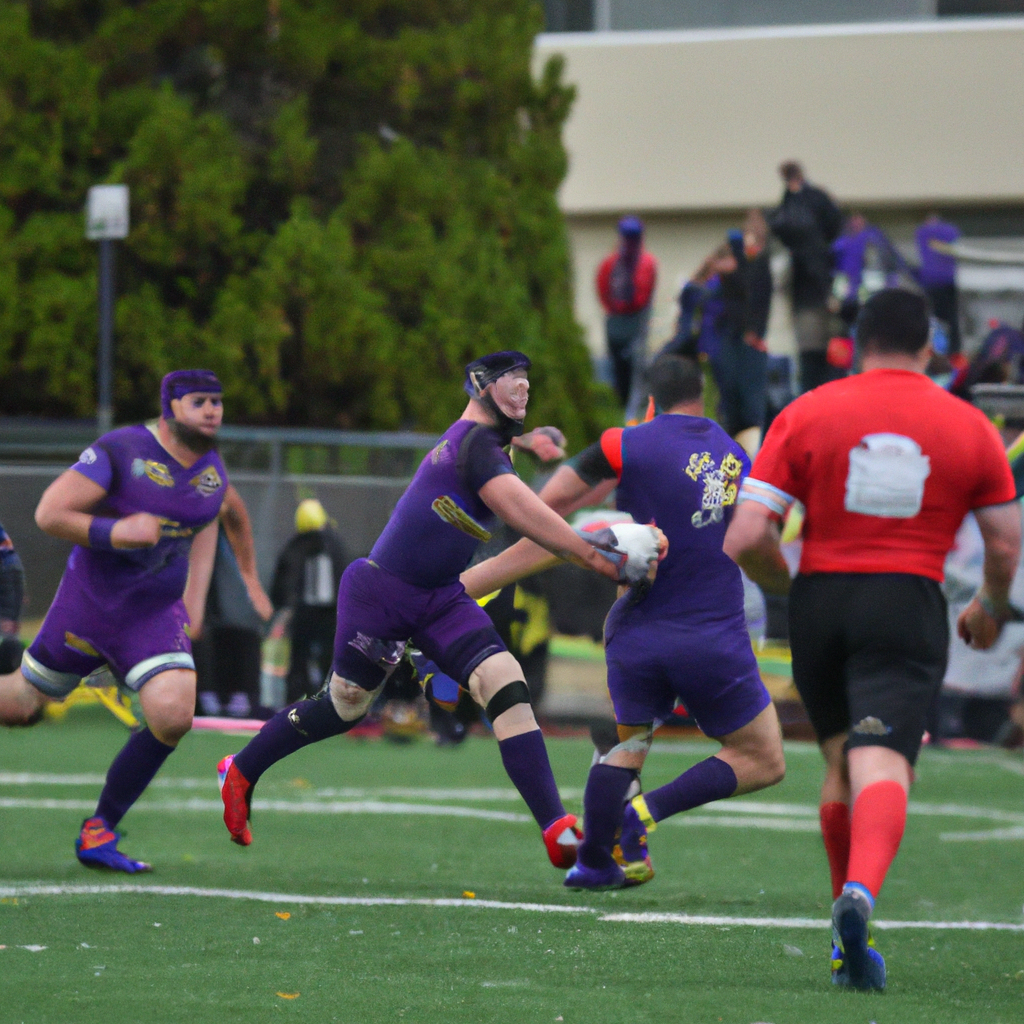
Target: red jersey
x,y
645,275
887,465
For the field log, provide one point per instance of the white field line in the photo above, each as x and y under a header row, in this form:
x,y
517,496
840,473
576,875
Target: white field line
x,y
321,798
18,890
284,806
996,833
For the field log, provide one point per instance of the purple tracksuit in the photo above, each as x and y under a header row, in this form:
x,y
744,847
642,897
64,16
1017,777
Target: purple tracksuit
x,y
123,609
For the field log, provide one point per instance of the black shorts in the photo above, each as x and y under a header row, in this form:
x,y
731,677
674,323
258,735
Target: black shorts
x,y
869,655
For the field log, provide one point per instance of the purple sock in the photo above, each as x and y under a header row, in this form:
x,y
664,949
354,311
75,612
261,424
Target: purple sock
x,y
708,780
526,761
129,774
603,800
292,728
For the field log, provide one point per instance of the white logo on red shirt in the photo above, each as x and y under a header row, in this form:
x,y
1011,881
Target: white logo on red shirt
x,y
886,477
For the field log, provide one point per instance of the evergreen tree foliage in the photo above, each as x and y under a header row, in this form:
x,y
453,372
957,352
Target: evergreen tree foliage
x,y
334,206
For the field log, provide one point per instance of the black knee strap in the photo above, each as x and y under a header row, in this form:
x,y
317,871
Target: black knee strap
x,y
508,697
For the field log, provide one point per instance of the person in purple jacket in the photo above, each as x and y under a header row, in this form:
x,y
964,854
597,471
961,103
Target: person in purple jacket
x,y
141,507
408,589
937,273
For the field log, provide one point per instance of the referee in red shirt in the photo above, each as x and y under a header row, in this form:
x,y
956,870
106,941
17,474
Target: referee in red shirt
x,y
887,465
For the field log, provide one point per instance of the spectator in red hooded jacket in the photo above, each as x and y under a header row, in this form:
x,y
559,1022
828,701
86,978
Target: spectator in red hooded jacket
x,y
625,285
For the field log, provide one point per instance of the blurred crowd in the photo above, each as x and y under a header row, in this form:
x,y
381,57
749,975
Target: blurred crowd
x,y
835,262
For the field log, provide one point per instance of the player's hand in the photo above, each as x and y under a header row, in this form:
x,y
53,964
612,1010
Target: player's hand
x,y
547,443
630,547
977,628
139,530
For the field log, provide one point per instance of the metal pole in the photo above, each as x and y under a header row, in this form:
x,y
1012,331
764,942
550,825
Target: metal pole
x,y
105,356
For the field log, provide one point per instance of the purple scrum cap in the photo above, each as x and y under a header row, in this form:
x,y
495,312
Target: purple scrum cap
x,y
487,369
183,382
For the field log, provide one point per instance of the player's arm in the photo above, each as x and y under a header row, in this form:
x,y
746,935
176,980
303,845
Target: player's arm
x,y
753,543
238,527
587,480
200,571
981,622
517,506
65,511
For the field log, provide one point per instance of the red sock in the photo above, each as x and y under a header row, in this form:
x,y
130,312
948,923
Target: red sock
x,y
879,816
835,830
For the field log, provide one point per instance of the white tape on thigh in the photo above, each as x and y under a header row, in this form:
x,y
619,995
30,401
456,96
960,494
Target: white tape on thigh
x,y
350,700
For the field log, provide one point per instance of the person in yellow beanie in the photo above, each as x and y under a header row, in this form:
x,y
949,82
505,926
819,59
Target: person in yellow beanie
x,y
306,581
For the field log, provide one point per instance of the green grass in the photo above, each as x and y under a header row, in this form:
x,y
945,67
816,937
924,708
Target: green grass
x,y
106,959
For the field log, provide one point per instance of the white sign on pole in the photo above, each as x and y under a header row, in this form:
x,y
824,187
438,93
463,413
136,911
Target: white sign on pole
x,y
106,213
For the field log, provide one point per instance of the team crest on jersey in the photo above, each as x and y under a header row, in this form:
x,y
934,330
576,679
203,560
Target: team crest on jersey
x,y
720,487
442,451
155,471
208,482
88,456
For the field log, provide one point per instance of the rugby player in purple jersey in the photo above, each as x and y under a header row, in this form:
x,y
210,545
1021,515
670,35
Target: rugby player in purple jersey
x,y
141,507
684,638
408,589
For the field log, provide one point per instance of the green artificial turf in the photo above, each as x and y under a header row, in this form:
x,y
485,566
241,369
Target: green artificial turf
x,y
135,956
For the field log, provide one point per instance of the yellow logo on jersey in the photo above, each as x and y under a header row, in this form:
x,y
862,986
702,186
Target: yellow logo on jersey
x,y
446,508
435,455
208,482
76,643
720,487
698,463
172,528
155,471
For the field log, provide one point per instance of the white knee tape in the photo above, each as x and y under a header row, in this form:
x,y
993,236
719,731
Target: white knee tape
x,y
639,744
350,700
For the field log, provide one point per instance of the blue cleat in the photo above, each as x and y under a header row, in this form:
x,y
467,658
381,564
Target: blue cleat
x,y
855,961
96,847
630,852
580,876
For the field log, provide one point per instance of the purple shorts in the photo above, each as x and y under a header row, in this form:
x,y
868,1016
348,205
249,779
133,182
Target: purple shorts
x,y
79,640
378,613
713,672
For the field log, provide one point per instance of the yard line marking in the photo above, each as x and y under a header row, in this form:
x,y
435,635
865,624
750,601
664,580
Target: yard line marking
x,y
284,806
654,917
19,889
779,817
996,833
725,821
38,889
500,794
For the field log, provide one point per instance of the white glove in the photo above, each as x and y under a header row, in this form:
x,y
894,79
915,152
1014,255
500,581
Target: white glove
x,y
631,546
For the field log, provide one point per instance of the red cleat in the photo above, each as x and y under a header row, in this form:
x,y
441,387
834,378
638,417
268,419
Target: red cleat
x,y
236,792
561,839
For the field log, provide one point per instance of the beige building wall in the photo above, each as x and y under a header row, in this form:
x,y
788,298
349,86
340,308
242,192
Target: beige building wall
x,y
687,129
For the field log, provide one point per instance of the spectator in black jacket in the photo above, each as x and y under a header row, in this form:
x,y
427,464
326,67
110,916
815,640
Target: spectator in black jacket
x,y
306,581
742,370
807,222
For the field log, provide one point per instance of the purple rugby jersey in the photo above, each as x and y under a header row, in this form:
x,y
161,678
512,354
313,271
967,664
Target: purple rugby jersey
x,y
440,519
140,475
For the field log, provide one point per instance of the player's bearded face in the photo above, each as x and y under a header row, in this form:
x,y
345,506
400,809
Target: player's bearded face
x,y
197,418
511,392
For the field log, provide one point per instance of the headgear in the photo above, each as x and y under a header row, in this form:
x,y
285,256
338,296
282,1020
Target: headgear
x,y
485,371
179,383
